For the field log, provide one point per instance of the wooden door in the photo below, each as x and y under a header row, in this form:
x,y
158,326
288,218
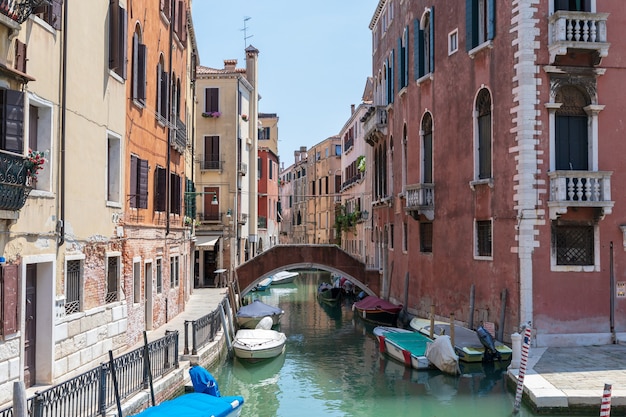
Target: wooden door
x,y
571,143
30,331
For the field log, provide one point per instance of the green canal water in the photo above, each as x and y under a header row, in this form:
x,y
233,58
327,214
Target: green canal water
x,y
332,367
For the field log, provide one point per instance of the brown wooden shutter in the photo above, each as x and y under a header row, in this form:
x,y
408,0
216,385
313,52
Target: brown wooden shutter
x,y
134,161
175,191
20,56
160,190
114,35
142,185
9,284
123,42
135,66
142,72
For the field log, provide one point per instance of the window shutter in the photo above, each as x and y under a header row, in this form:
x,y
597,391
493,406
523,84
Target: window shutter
x,y
190,199
471,34
142,72
135,80
491,19
416,49
180,15
142,185
113,35
161,192
405,55
12,115
420,52
55,14
183,28
159,86
9,285
123,41
432,39
391,76
174,193
20,56
164,96
133,181
400,67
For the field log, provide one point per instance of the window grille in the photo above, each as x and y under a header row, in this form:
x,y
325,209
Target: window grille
x,y
112,279
72,287
426,237
483,238
573,244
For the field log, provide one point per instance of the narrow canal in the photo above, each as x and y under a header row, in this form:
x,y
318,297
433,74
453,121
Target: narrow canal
x,y
332,367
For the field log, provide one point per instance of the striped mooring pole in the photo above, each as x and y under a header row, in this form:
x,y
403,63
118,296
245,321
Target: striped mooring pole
x,y
605,408
522,370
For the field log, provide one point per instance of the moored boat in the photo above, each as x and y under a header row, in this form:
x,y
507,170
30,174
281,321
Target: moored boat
x,y
467,343
404,346
329,294
377,310
284,277
196,405
258,344
263,285
249,316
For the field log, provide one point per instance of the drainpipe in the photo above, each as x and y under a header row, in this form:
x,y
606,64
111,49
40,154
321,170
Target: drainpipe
x,y
612,292
169,125
61,219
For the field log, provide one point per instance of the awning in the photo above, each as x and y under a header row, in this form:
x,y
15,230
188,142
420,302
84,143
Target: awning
x,y
219,271
206,242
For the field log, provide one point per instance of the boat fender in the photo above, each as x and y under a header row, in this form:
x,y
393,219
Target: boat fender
x,y
407,357
265,323
381,343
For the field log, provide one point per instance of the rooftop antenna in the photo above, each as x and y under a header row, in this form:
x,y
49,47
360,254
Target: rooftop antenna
x,y
245,32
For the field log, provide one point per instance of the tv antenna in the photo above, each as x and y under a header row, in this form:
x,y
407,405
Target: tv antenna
x,y
245,31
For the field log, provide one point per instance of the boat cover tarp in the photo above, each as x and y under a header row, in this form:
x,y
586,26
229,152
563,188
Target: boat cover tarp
x,y
203,382
414,342
194,405
375,303
258,309
441,354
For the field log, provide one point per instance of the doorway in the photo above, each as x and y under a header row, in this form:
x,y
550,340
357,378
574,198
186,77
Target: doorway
x,y
30,330
148,294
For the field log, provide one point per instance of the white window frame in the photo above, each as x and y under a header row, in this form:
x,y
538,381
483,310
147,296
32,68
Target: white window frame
x,y
479,257
45,142
453,42
113,179
137,279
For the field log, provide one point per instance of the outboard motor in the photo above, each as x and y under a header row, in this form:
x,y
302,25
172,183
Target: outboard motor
x,y
486,339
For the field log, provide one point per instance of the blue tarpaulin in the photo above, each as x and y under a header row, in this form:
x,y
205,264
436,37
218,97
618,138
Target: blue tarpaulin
x,y
195,405
203,381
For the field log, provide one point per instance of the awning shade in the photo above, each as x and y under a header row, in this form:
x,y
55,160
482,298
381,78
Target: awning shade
x,y
219,271
206,242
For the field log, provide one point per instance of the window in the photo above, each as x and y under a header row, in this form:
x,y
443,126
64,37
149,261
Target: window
x,y
480,16
40,138
405,237
9,291
211,211
573,5
162,82
175,193
211,158
264,133
483,127
424,38
259,163
403,60
426,237
453,41
174,272
270,169
12,117
571,130
50,12
211,100
159,275
114,167
180,21
483,238
118,29
427,149
391,236
137,280
165,8
73,285
138,81
160,189
337,150
113,278
138,182
573,244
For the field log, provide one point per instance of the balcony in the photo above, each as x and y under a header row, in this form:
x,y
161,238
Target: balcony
x,y
19,10
578,31
179,139
213,164
13,181
243,218
351,180
579,189
420,199
209,217
375,124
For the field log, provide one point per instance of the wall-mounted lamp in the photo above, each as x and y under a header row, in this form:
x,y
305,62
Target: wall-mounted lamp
x,y
214,202
229,213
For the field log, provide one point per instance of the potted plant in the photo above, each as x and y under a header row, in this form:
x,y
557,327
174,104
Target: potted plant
x,y
34,162
211,114
244,117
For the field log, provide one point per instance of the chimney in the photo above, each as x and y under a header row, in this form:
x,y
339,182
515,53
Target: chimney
x,y
230,64
351,109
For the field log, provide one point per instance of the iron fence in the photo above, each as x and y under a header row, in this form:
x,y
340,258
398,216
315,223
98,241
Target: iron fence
x,y
203,330
93,392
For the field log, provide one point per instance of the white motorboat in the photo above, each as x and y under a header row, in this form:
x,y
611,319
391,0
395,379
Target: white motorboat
x,y
259,343
250,315
284,277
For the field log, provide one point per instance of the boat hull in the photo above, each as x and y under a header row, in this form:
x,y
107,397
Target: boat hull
x,y
258,344
415,358
197,405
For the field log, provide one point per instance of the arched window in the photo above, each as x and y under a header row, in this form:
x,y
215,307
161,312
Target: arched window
x,y
162,78
483,134
140,55
427,149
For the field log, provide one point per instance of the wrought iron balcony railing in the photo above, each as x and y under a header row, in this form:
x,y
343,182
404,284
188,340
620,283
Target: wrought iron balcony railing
x,y
578,31
209,217
579,189
14,188
179,140
19,10
420,199
211,164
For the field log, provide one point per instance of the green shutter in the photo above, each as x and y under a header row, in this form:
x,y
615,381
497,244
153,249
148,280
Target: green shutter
x,y
471,33
416,49
491,19
432,39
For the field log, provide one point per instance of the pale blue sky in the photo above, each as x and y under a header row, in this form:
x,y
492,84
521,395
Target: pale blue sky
x,y
314,58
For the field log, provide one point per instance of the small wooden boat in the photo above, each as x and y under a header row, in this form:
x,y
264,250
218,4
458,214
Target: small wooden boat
x,y
404,346
258,344
377,310
467,343
249,316
329,294
196,405
284,277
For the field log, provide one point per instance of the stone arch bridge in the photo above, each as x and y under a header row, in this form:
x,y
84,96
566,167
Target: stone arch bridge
x,y
329,258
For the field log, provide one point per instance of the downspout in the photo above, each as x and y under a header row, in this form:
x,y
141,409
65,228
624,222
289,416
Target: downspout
x,y
61,220
168,184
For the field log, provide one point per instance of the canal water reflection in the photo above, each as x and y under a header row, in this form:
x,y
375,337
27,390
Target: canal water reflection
x,y
332,367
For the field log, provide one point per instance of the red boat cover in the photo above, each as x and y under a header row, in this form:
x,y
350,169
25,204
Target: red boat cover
x,y
375,303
